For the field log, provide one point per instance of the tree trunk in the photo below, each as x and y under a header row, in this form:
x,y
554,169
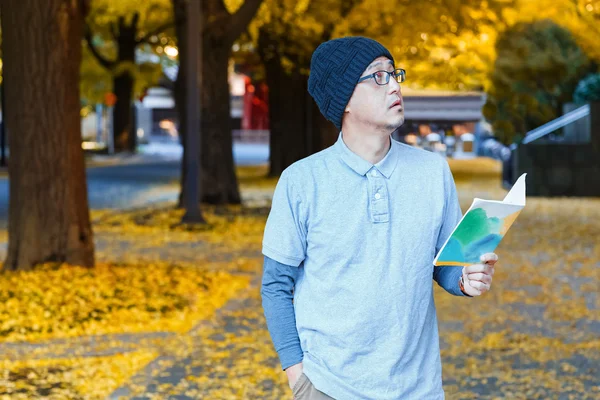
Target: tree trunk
x,y
122,121
218,179
179,9
288,119
123,86
48,208
324,132
297,127
220,29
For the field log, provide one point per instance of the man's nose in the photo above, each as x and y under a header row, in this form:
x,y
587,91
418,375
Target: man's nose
x,y
393,85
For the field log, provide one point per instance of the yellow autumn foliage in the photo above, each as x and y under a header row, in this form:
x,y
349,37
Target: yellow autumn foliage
x,y
66,301
77,377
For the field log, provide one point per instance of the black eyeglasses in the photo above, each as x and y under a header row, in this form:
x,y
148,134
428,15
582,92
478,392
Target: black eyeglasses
x,y
383,77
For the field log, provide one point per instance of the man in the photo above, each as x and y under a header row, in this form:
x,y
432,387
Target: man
x,y
350,240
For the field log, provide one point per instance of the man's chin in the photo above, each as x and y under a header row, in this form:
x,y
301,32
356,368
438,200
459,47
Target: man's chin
x,y
401,121
396,124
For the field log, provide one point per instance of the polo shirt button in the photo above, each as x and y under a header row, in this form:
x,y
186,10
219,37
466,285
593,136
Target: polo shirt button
x,y
373,173
377,196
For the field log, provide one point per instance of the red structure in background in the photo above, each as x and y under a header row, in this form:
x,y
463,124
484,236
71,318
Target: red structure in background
x,y
256,106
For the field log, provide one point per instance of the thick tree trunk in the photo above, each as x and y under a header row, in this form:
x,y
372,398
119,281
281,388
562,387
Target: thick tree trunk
x,y
218,179
324,132
288,119
48,208
297,127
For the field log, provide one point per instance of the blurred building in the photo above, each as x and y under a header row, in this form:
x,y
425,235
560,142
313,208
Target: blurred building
x,y
447,122
156,116
437,120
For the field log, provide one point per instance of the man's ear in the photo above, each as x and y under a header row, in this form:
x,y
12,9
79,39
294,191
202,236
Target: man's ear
x,y
347,109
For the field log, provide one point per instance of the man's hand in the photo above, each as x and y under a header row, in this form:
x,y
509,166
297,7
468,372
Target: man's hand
x,y
477,278
293,374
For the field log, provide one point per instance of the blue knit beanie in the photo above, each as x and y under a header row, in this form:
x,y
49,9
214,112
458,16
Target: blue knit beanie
x,y
335,68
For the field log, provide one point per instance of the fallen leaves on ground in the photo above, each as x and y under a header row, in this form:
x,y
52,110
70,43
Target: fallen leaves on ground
x,y
73,378
231,225
64,301
229,360
534,336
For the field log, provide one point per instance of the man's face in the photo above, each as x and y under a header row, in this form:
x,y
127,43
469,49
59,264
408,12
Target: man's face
x,y
377,106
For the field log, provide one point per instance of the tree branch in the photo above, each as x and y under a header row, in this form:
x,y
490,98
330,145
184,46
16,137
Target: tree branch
x,y
113,32
240,20
159,29
135,20
346,8
109,65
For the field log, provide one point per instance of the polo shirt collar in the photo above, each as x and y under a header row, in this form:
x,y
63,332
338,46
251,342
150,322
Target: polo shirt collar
x,y
361,166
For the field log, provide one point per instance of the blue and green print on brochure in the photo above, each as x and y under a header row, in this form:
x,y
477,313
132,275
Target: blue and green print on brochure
x,y
482,228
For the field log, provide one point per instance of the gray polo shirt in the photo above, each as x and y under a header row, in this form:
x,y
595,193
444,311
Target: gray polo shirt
x,y
364,237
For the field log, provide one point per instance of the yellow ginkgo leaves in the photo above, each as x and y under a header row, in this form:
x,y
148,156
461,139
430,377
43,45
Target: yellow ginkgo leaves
x,y
66,301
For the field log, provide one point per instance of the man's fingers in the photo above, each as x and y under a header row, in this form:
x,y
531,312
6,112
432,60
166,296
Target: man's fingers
x,y
489,258
479,276
474,268
485,268
482,287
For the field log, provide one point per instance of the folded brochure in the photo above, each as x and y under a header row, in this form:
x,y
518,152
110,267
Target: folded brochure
x,y
482,228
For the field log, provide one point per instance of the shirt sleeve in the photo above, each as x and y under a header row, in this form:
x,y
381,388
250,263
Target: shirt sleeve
x,y
284,239
277,295
448,276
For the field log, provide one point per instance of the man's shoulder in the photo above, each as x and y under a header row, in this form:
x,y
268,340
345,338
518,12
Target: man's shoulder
x,y
417,153
417,158
306,167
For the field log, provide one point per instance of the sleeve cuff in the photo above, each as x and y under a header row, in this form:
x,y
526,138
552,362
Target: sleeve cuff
x,y
290,356
283,259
